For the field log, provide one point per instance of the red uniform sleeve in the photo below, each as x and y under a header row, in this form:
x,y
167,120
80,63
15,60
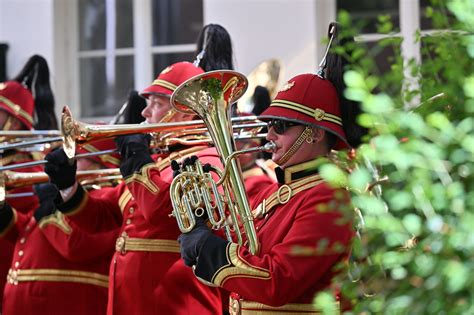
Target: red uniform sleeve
x,y
17,224
96,210
73,242
150,187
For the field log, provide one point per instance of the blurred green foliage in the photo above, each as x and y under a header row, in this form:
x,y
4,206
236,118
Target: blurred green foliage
x,y
413,178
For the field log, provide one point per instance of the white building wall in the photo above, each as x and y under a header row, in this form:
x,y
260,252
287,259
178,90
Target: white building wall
x,y
265,29
27,27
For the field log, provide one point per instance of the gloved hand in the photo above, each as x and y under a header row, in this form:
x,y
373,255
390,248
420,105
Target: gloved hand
x,y
6,215
61,170
46,193
192,242
134,151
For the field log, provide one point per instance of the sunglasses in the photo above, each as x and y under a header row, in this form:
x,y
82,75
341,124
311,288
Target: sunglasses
x,y
281,126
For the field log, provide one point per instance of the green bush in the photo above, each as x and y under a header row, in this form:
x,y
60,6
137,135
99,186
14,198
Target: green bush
x,y
415,254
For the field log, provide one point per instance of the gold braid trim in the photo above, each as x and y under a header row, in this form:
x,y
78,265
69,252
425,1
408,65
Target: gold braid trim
x,y
57,275
57,219
143,177
238,267
124,199
253,308
293,188
16,108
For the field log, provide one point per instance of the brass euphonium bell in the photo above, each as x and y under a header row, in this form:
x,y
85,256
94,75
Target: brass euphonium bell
x,y
210,96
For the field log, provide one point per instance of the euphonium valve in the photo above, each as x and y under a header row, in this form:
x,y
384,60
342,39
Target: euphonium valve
x,y
210,95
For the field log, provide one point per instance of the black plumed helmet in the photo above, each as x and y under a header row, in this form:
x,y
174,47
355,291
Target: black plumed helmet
x,y
214,49
35,77
335,66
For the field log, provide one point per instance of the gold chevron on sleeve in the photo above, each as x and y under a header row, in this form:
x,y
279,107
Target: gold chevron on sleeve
x,y
58,220
143,177
238,267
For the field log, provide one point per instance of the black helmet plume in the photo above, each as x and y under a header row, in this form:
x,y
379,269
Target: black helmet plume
x,y
35,77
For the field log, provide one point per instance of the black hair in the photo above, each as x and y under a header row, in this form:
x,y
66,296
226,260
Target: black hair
x,y
215,43
261,100
133,112
35,77
336,64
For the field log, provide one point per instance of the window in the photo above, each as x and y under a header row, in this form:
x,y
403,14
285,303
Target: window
x,y
109,52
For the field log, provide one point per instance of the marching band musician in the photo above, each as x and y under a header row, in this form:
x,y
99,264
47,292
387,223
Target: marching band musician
x,y
197,297
147,245
60,267
307,119
26,102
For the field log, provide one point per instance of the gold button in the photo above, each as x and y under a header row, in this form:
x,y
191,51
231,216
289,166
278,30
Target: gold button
x,y
129,221
132,210
20,253
22,240
17,264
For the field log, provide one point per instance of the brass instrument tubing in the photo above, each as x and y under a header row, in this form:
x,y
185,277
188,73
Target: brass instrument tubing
x,y
41,162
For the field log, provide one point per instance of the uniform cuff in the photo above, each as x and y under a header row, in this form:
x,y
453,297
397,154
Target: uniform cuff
x,y
213,256
73,202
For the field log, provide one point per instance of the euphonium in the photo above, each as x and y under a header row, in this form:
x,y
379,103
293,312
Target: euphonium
x,y
193,192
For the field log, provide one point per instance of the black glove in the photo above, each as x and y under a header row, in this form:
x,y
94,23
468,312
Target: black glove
x,y
6,216
176,168
46,193
192,242
134,151
60,169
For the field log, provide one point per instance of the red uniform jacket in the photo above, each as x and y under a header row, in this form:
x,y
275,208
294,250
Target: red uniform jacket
x,y
147,246
303,234
57,268
23,205
181,292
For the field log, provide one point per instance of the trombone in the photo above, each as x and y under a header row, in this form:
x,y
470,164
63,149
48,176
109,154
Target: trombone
x,y
10,180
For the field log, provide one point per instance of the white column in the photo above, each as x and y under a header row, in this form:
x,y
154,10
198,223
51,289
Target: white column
x,y
142,28
65,76
409,24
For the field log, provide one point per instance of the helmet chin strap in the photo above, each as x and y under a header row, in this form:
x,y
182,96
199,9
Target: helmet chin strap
x,y
8,124
306,135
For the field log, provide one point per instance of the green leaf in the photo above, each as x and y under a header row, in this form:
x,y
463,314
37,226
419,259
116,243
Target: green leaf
x,y
333,175
359,179
469,87
413,224
370,205
378,104
354,79
326,302
456,275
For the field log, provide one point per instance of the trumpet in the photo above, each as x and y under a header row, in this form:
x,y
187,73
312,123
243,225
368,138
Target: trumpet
x,y
74,132
10,180
193,192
